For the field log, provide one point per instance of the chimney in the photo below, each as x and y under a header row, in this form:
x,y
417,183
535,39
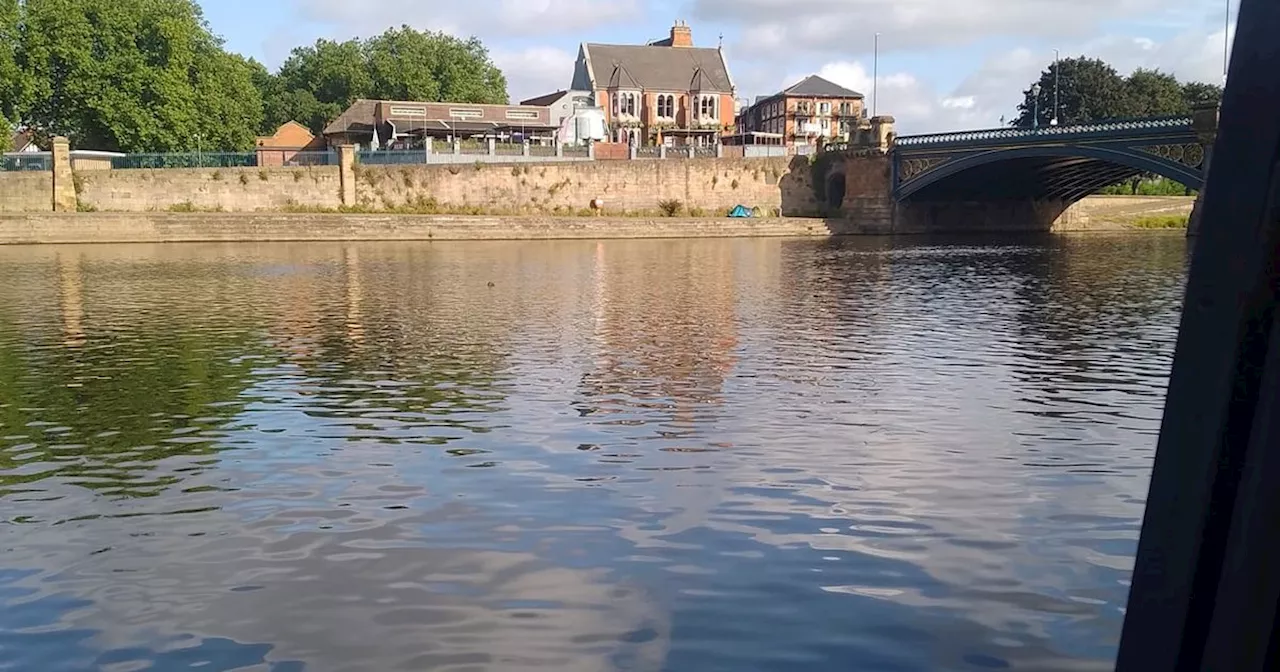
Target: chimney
x,y
681,35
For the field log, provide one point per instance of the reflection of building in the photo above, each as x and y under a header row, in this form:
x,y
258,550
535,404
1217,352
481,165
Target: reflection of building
x,y
664,332
669,91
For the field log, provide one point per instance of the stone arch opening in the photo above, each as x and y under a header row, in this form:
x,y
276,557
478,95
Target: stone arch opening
x,y
835,190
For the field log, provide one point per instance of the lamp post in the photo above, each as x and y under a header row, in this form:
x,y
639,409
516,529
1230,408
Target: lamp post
x,y
1226,40
875,76
1035,96
1054,120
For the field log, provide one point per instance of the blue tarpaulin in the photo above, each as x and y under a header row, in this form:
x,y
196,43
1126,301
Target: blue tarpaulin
x,y
740,211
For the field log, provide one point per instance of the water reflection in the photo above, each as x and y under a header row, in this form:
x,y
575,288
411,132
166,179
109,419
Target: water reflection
x,y
623,455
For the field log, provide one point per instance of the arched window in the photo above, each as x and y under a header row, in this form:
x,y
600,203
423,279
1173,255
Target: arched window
x,y
707,107
631,104
614,97
666,106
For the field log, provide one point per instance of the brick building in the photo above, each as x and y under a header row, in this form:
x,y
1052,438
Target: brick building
x,y
404,124
805,112
667,92
281,148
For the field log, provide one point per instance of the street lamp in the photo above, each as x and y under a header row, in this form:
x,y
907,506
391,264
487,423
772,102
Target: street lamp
x,y
1054,121
1035,95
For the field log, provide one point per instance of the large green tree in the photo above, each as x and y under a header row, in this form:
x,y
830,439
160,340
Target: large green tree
x,y
1088,89
1151,93
12,78
134,76
317,82
1091,90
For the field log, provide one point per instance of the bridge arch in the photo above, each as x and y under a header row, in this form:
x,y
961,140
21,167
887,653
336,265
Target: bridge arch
x,y
1045,172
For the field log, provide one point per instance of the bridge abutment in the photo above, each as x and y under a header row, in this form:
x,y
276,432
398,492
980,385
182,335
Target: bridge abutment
x,y
868,206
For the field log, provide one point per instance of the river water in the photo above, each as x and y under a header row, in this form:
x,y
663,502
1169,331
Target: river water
x,y
699,455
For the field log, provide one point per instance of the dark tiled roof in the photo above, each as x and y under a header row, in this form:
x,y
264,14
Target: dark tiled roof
x,y
543,101
660,68
818,87
19,140
358,117
621,78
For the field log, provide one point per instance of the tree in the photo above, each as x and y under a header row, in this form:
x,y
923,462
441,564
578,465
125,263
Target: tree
x,y
12,78
134,76
332,72
1196,93
1088,90
317,82
1151,93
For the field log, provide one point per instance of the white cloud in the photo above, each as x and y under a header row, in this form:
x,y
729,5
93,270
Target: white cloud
x,y
535,71
473,17
833,26
995,88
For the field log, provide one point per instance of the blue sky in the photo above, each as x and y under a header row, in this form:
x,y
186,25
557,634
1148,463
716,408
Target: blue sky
x,y
944,64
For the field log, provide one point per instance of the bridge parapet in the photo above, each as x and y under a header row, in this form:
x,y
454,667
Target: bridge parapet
x,y
1075,132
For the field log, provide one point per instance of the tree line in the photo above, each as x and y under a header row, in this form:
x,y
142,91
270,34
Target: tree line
x,y
1090,90
150,76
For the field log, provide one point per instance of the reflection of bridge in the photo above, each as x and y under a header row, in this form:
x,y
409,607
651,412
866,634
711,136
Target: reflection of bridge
x,y
1013,178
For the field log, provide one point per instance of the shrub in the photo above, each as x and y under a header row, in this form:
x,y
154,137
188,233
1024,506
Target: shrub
x,y
670,207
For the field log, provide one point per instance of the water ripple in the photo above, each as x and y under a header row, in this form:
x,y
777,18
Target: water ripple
x,y
629,455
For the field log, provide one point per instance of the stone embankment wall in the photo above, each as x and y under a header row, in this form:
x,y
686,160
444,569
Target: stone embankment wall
x,y
228,189
26,191
709,185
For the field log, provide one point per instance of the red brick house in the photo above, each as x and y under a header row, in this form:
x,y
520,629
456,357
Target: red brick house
x,y
668,91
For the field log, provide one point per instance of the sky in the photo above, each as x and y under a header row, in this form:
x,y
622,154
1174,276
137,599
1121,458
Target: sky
x,y
943,64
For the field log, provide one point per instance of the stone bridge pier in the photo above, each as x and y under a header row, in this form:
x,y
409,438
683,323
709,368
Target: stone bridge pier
x,y
1008,179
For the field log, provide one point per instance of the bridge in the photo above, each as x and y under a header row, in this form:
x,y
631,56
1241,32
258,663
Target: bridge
x,y
1012,178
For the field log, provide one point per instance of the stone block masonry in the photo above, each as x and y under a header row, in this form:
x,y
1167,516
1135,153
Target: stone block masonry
x,y
711,185
27,191
227,189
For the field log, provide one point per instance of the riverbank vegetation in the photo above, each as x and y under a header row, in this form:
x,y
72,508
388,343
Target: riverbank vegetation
x,y
150,76
1171,221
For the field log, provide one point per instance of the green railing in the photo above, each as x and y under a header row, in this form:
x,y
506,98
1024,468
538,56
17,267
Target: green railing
x,y
18,162
186,160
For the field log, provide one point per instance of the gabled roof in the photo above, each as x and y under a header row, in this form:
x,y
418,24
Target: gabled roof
x,y
358,117
20,141
818,87
548,99
621,78
660,68
701,82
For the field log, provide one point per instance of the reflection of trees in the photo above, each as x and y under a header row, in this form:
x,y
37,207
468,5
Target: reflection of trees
x,y
1099,307
395,328
119,389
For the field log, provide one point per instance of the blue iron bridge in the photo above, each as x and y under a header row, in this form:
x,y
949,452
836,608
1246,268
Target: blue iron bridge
x,y
1056,163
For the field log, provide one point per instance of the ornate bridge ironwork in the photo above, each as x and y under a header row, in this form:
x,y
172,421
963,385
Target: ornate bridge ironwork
x,y
1056,162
